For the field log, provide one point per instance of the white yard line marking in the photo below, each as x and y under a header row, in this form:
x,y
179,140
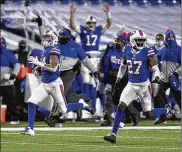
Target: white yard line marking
x,y
79,145
144,137
96,128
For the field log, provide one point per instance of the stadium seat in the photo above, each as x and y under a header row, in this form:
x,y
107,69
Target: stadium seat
x,y
79,2
65,2
143,3
157,2
172,2
96,2
112,2
127,2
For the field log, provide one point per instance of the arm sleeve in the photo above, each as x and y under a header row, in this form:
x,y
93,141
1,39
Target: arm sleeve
x,y
16,65
80,52
55,51
78,29
89,64
122,70
150,53
16,68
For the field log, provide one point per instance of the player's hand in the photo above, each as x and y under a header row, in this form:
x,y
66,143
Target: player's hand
x,y
38,20
98,75
73,8
7,76
157,80
36,71
34,60
115,89
106,8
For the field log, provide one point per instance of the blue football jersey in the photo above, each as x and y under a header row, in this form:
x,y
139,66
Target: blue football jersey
x,y
47,76
137,62
112,61
90,39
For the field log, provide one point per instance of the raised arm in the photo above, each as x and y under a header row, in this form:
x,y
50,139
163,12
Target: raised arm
x,y
108,14
72,19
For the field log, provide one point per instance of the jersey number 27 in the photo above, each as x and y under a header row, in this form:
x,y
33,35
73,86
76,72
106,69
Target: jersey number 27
x,y
137,64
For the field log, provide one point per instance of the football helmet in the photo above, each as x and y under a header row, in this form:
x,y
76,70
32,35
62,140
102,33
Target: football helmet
x,y
138,39
90,22
49,38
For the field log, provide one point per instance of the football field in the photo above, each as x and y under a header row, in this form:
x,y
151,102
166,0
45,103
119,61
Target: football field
x,y
88,137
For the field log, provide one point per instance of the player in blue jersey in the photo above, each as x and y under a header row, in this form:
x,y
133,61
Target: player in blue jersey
x,y
51,83
90,35
170,60
138,58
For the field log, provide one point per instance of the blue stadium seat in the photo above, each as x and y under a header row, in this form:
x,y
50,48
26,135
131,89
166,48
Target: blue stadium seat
x,y
96,2
79,2
111,2
172,2
127,2
157,2
65,2
34,1
49,1
143,3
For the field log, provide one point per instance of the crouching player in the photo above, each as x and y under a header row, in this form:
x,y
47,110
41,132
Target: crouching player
x,y
138,58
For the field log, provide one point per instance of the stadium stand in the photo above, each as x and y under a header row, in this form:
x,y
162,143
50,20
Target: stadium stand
x,y
126,12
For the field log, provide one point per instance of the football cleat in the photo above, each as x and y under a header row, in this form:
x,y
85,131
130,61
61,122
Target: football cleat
x,y
52,121
28,131
110,138
14,122
160,119
106,123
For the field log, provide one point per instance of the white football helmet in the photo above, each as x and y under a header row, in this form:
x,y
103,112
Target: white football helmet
x,y
138,39
49,38
89,20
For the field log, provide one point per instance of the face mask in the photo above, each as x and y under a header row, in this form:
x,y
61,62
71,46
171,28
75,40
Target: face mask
x,y
118,46
160,43
62,40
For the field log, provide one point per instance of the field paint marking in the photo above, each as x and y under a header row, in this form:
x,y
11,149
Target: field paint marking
x,y
91,136
96,128
79,145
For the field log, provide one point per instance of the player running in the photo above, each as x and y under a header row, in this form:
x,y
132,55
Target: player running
x,y
138,58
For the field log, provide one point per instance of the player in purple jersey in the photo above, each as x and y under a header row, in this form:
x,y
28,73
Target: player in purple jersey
x,y
90,35
139,59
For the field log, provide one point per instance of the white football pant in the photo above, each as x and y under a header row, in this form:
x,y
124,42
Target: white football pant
x,y
131,92
55,89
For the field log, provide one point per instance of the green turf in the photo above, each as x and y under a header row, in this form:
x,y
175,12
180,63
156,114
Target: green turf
x,y
92,141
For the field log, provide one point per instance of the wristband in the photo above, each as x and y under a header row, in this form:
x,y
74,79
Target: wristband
x,y
108,15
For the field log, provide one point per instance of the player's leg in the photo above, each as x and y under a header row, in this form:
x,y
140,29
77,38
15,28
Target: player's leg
x,y
93,92
127,96
146,100
86,79
38,95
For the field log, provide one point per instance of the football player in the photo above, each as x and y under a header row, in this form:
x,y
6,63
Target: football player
x,y
51,83
90,35
138,58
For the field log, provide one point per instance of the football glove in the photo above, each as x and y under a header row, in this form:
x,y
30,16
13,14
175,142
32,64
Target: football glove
x,y
34,60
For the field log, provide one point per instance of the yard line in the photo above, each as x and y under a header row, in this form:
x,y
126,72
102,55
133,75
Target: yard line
x,y
79,145
96,128
8,133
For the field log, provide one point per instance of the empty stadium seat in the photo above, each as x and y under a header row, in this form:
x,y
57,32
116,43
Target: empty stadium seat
x,y
65,2
172,2
127,2
79,2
